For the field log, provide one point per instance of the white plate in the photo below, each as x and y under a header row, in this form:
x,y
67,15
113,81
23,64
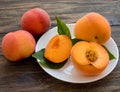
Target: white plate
x,y
68,73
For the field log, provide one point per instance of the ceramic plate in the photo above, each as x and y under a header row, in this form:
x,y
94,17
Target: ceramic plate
x,y
68,73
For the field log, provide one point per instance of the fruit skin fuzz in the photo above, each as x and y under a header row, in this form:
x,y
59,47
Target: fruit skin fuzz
x,y
36,21
18,45
93,27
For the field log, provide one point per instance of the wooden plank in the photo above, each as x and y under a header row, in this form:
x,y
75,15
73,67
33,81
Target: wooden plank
x,y
27,76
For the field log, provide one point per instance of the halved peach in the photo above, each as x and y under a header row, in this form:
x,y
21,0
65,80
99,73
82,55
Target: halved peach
x,y
90,58
58,48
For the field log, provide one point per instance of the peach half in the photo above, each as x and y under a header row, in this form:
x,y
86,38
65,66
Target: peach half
x,y
93,27
90,58
58,49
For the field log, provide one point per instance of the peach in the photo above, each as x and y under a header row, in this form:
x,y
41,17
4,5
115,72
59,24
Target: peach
x,y
89,58
36,21
58,49
18,45
93,27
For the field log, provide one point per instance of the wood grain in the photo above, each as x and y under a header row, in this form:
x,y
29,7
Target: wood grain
x,y
27,76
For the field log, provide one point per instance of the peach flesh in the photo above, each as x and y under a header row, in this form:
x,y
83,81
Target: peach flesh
x,y
58,49
89,58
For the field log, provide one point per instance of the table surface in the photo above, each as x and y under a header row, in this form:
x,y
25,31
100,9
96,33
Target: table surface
x,y
27,75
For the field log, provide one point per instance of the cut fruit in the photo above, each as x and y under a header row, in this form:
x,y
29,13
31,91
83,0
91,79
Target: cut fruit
x,y
89,58
58,49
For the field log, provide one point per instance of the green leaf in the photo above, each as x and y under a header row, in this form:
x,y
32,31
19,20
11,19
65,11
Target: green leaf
x,y
111,56
62,28
75,40
46,63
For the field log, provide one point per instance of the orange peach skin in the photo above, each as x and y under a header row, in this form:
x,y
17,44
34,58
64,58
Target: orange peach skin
x,y
83,64
18,45
36,21
58,49
93,27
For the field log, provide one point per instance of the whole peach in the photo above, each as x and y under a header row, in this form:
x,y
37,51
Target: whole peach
x,y
18,45
36,21
93,27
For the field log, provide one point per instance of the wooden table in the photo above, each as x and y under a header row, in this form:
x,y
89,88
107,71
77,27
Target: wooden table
x,y
27,76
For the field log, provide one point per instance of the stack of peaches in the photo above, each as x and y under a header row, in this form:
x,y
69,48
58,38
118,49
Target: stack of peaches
x,y
21,44
88,55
